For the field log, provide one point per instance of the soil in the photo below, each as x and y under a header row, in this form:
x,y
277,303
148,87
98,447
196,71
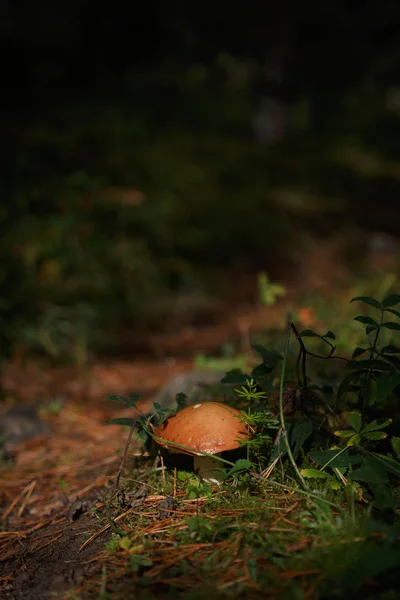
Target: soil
x,y
58,566
51,481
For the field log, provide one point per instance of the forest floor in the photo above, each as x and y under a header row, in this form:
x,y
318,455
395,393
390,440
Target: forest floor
x,y
53,533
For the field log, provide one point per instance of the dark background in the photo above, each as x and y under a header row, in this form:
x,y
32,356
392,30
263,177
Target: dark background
x,y
150,149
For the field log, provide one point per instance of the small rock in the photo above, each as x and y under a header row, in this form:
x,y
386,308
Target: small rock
x,y
18,424
166,507
197,385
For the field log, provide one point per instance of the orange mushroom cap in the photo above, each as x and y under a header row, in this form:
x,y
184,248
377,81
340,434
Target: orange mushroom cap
x,y
210,427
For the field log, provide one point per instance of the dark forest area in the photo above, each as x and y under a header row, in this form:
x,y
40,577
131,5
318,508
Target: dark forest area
x,y
146,147
199,300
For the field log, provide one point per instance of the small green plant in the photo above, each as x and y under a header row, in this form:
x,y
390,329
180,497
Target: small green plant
x,y
194,487
260,422
359,461
268,292
374,378
356,434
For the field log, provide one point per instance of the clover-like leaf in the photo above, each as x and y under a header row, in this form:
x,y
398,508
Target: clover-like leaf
x,y
344,433
375,435
377,424
354,440
354,419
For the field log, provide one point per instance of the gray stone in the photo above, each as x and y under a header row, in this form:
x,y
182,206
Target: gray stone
x,y
199,386
19,423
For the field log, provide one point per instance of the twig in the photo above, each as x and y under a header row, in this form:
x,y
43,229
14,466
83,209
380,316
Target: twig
x,y
128,443
281,412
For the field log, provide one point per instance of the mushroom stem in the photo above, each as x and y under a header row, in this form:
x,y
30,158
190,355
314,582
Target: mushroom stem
x,y
205,467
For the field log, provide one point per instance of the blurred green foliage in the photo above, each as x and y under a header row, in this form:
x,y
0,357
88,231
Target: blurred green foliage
x,y
125,196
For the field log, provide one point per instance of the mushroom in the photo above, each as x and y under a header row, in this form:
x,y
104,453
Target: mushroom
x,y
210,427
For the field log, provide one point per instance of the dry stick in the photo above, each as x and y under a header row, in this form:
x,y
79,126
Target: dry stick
x,y
128,443
281,414
302,356
305,351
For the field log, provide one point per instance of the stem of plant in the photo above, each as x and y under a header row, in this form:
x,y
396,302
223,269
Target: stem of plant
x,y
128,443
367,377
281,414
333,458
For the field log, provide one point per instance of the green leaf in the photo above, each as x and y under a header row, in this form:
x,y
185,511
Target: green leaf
x,y
300,435
391,349
367,300
143,435
166,411
330,335
393,360
121,421
347,384
386,462
354,419
370,328
366,320
368,474
386,384
375,435
377,424
343,433
377,365
394,312
260,372
391,300
180,401
315,474
130,402
358,351
391,325
270,358
308,333
395,441
235,376
354,440
240,465
342,460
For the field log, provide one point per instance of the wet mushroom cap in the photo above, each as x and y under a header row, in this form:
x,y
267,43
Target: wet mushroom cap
x,y
210,427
